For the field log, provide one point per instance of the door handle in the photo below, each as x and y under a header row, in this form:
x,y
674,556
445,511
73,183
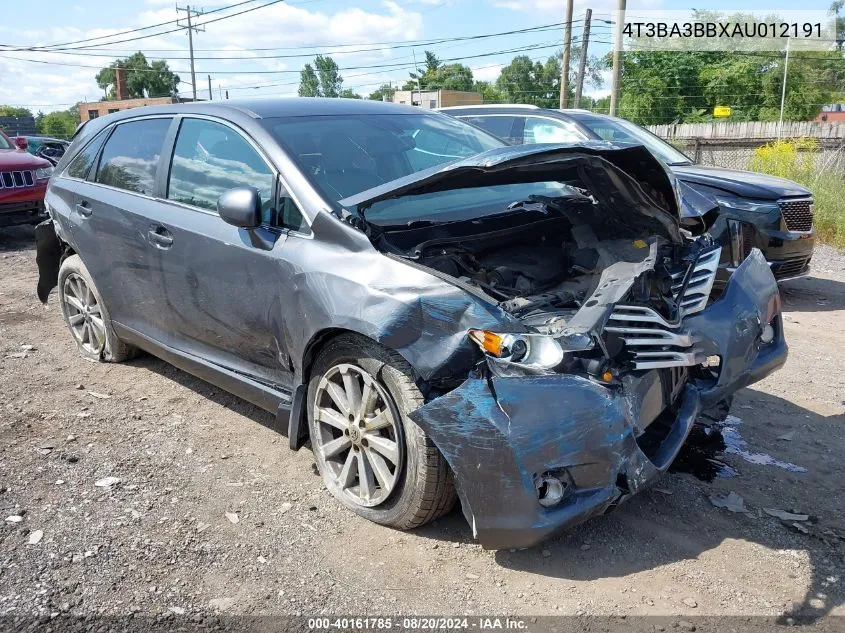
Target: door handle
x,y
161,237
84,210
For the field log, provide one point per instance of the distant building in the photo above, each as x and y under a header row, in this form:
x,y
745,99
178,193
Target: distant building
x,y
94,109
833,113
430,99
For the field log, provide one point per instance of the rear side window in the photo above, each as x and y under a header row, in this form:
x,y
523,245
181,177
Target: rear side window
x,y
210,158
550,131
499,126
81,166
130,157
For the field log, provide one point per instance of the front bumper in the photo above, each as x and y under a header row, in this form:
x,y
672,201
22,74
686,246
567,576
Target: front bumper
x,y
501,435
23,205
788,252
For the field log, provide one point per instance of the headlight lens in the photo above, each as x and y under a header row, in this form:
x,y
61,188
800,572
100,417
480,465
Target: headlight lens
x,y
743,204
43,173
532,351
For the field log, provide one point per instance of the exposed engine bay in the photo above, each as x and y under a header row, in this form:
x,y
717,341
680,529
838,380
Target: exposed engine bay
x,y
609,283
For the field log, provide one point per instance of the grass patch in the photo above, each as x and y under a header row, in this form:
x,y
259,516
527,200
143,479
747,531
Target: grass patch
x,y
800,160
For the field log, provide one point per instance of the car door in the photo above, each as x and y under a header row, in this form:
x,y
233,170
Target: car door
x,y
216,284
107,209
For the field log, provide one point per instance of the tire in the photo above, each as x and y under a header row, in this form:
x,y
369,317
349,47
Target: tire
x,y
422,487
87,317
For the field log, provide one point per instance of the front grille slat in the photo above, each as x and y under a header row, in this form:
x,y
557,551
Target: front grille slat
x,y
16,179
797,214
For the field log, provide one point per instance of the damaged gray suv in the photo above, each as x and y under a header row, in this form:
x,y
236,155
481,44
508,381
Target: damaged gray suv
x,y
526,329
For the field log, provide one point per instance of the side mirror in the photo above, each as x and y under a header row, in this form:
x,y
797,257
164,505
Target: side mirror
x,y
240,207
21,142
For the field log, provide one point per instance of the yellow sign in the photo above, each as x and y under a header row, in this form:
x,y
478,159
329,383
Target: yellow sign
x,y
722,111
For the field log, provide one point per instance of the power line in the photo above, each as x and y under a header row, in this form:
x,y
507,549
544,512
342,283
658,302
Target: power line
x,y
375,47
128,31
142,37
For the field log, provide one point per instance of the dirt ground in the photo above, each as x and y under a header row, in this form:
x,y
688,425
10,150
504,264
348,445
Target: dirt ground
x,y
159,542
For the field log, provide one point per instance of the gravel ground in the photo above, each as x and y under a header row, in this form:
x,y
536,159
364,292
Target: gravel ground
x,y
209,512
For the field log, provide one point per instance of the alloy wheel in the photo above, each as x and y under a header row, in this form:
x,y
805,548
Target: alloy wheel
x,y
83,314
359,435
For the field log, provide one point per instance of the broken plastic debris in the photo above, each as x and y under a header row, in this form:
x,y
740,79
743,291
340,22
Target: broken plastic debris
x,y
783,515
731,502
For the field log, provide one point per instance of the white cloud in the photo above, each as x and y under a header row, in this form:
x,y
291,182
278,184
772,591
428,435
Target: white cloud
x,y
279,26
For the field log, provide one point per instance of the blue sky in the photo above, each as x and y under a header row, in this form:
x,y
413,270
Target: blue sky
x,y
293,28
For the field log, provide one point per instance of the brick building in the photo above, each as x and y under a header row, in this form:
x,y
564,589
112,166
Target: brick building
x,y
430,99
94,109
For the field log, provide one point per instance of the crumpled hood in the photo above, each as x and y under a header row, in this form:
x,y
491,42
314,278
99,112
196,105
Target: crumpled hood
x,y
746,184
525,163
18,159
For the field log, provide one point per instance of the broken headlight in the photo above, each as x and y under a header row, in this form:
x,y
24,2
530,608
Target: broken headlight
x,y
532,351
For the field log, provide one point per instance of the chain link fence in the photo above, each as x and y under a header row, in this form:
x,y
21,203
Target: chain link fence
x,y
828,154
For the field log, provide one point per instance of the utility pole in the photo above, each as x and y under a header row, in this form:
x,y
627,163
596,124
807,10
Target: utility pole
x,y
783,89
582,63
617,57
191,29
567,51
209,88
419,85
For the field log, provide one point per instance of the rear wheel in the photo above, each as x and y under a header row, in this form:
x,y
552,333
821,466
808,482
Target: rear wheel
x,y
372,457
86,316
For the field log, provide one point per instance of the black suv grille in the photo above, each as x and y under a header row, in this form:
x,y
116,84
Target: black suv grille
x,y
16,179
797,214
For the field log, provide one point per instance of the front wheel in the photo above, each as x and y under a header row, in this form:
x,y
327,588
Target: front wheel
x,y
86,315
372,457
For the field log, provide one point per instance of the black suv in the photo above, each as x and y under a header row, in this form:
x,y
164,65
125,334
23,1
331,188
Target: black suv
x,y
440,314
772,214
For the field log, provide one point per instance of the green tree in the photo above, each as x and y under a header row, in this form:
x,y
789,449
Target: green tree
x,y
489,92
142,78
384,90
309,83
60,124
527,81
450,77
348,93
322,79
331,83
7,110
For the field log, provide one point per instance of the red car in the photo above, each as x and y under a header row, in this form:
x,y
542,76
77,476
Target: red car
x,y
23,182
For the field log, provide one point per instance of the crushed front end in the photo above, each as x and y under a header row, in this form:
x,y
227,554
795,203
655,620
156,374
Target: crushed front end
x,y
612,343
537,451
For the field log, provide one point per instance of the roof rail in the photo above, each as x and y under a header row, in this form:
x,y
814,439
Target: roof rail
x,y
493,105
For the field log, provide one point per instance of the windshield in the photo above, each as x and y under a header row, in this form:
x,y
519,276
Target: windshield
x,y
621,130
346,154
5,143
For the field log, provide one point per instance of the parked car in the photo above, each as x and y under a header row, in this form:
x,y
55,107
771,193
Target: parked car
x,y
772,214
51,149
438,313
23,182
